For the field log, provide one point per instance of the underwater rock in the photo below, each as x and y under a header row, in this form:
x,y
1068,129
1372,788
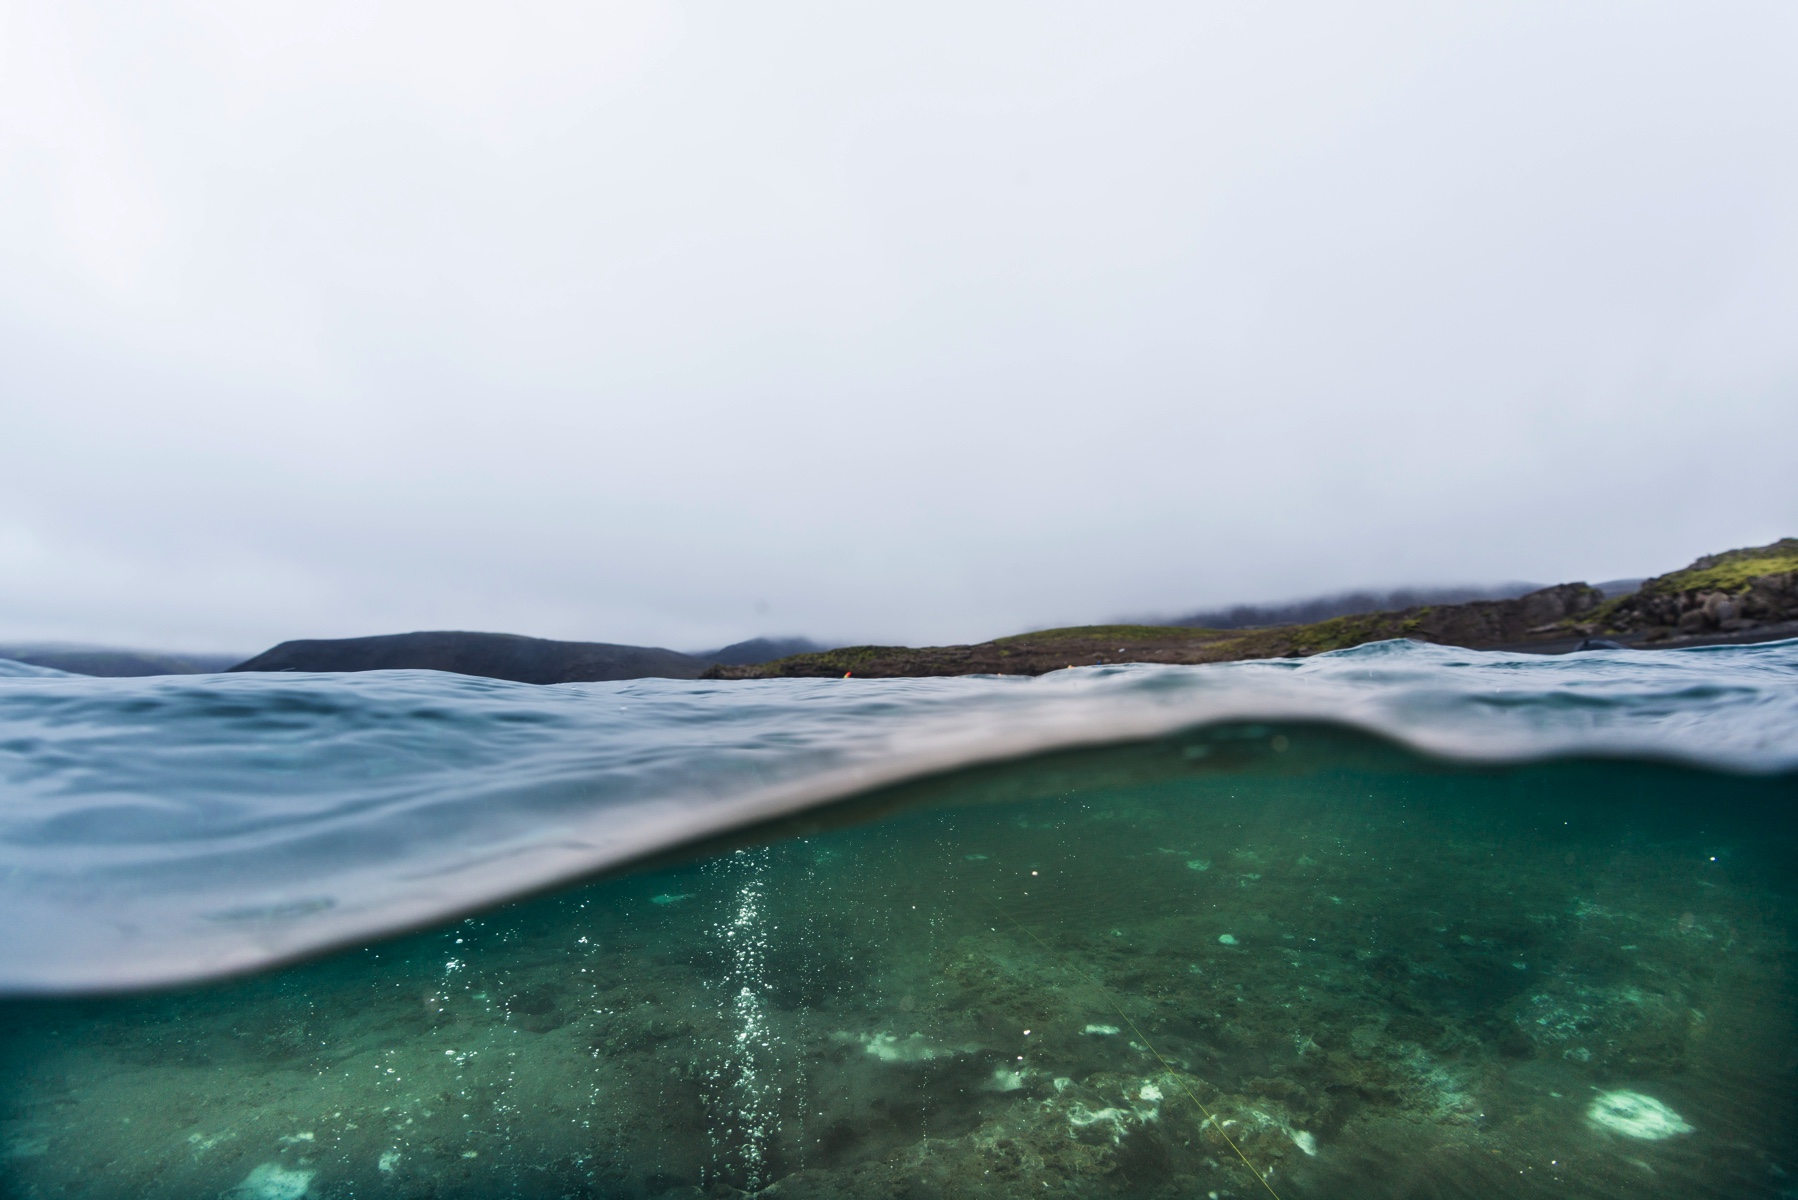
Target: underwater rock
x,y
1634,1115
1615,1027
272,1181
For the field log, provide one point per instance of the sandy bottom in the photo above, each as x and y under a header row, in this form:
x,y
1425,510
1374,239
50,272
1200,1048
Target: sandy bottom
x,y
1367,979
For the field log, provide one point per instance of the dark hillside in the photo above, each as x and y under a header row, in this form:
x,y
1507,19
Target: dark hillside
x,y
760,650
117,664
493,655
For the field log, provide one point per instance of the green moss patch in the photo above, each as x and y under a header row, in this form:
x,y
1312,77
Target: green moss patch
x,y
1123,634
1340,633
1732,571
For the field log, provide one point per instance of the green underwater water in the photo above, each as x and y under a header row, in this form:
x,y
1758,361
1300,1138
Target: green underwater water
x,y
1248,961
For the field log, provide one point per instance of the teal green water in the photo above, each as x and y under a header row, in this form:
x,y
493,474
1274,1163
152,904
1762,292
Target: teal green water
x,y
1281,960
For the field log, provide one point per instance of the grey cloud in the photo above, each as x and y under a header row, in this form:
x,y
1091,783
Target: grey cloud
x,y
608,322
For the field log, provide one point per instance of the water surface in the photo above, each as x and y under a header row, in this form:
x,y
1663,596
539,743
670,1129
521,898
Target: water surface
x,y
1478,933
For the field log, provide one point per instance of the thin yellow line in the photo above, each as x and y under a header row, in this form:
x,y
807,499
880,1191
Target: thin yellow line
x,y
1210,1120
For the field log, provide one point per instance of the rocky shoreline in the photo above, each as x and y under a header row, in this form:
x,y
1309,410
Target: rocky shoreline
x,y
1744,595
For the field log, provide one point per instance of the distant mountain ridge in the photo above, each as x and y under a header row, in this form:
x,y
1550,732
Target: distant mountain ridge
x,y
1355,603
492,655
761,650
1747,594
1740,595
1345,604
117,664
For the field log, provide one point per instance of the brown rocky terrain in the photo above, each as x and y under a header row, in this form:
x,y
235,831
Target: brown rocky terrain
x,y
1736,592
1739,595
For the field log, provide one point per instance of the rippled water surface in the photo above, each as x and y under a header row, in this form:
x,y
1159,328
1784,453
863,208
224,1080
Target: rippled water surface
x,y
1405,922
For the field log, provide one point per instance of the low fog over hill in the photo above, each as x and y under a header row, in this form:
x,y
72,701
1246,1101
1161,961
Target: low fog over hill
x,y
1349,604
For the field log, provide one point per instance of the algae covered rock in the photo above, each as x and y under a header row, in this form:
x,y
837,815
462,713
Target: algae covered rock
x,y
1613,1028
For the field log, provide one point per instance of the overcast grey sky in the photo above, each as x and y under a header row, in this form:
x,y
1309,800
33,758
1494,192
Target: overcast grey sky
x,y
924,322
